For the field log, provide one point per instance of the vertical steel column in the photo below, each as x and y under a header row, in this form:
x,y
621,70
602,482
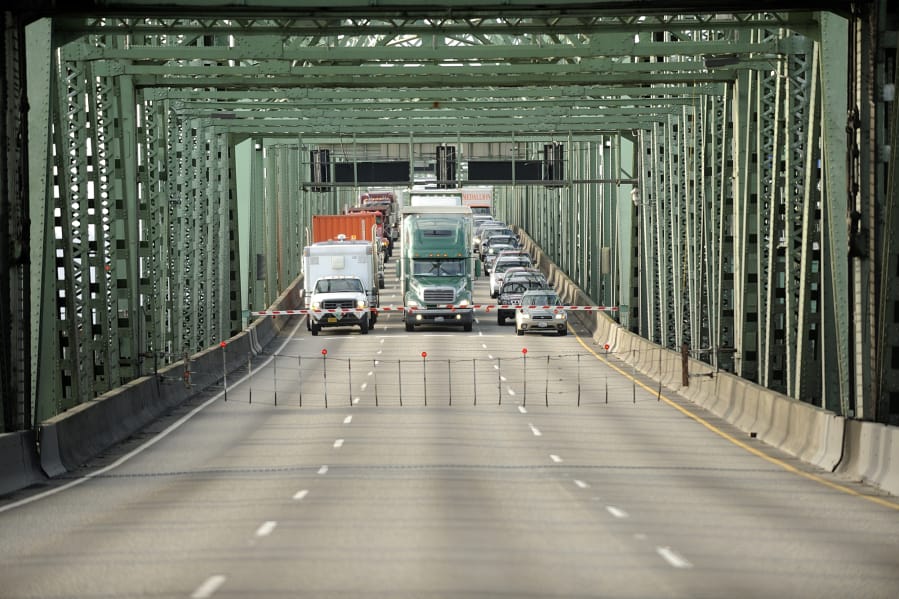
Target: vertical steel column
x,y
157,334
44,347
626,237
804,368
15,304
119,128
593,247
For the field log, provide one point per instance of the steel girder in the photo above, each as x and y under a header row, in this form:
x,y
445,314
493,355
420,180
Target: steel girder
x,y
15,303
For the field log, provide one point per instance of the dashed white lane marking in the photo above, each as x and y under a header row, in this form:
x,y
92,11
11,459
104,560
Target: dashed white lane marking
x,y
581,483
496,367
673,558
484,345
371,372
618,513
535,430
356,400
522,409
338,443
489,355
555,458
209,587
266,528
348,419
300,495
380,352
323,469
503,379
364,386
511,391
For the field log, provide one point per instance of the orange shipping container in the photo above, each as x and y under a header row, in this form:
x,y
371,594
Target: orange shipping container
x,y
357,225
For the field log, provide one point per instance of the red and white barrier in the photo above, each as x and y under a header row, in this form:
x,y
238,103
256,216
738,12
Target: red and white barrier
x,y
481,307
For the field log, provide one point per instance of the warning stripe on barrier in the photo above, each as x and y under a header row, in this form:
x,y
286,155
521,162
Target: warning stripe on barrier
x,y
484,307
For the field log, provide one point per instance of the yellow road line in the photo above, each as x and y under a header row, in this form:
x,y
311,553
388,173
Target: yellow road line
x,y
789,468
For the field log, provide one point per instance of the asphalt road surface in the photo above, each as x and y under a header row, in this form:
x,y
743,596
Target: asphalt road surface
x,y
475,470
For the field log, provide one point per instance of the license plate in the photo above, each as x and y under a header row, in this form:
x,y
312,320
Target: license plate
x,y
438,319
332,319
542,325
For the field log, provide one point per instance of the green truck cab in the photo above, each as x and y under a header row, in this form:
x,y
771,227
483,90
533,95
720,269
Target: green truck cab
x,y
437,266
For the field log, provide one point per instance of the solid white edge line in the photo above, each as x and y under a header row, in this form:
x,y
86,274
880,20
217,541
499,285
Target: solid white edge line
x,y
149,443
205,590
673,558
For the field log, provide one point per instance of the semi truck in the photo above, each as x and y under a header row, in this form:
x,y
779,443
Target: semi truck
x,y
437,268
341,284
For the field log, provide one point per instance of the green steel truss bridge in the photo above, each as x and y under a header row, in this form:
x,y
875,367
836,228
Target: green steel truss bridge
x,y
720,171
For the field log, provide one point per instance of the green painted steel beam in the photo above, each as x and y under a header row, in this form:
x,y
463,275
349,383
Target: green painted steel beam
x,y
587,92
268,49
367,19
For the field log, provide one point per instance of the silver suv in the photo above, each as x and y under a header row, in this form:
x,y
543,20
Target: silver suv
x,y
539,313
512,290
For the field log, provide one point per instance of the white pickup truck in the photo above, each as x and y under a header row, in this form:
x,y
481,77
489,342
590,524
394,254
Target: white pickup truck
x,y
339,301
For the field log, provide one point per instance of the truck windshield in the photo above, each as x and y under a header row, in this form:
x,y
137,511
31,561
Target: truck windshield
x,y
338,286
438,268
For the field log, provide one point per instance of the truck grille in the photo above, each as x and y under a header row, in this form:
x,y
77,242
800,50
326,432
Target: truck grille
x,y
439,295
345,304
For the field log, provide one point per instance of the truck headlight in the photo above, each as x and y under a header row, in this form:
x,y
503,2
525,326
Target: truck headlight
x,y
464,303
412,304
360,304
316,305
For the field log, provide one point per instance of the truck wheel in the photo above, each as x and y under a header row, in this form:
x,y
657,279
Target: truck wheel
x,y
500,319
363,325
409,327
314,328
518,331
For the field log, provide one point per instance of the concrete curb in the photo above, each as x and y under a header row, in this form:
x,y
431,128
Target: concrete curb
x,y
19,465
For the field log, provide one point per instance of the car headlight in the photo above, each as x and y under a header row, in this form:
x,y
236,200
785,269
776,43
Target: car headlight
x,y
525,315
561,316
